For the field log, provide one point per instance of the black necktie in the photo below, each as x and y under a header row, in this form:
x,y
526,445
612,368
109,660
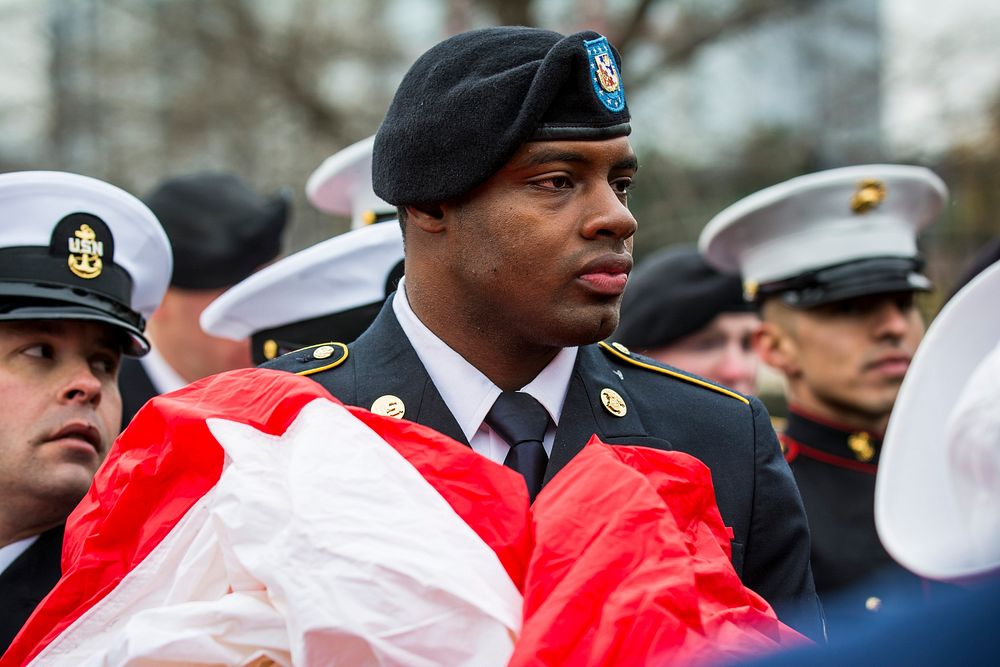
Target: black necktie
x,y
521,421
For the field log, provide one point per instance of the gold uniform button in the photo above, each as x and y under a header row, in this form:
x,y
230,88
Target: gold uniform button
x,y
621,348
613,402
323,352
270,349
873,604
389,406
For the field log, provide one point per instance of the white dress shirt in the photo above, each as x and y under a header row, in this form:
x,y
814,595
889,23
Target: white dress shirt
x,y
160,373
10,552
469,394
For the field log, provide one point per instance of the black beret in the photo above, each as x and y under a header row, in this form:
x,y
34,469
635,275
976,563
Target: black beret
x,y
470,102
673,293
220,229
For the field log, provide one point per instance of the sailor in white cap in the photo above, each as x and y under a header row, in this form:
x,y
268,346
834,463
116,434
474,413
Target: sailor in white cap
x,y
832,260
83,264
328,293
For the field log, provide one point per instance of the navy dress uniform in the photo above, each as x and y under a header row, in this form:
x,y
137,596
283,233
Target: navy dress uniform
x,y
461,111
816,240
71,248
220,232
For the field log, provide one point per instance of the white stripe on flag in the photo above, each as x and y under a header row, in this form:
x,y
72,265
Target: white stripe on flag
x,y
337,551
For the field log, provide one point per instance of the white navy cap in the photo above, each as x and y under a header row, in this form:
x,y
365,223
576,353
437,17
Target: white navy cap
x,y
73,247
830,235
329,292
937,500
342,185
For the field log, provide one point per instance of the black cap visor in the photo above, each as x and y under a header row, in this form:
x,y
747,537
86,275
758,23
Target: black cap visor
x,y
24,301
877,275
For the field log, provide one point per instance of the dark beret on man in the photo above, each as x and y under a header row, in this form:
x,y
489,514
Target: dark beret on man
x,y
674,293
220,229
470,102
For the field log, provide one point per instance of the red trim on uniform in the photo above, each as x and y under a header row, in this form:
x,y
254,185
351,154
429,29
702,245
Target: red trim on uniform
x,y
794,448
846,428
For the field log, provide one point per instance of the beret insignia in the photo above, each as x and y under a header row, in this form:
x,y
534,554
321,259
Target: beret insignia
x,y
604,74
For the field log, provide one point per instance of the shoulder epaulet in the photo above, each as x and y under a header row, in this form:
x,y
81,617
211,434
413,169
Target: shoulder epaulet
x,y
619,351
311,359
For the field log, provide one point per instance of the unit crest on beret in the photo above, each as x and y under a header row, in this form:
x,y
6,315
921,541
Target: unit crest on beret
x,y
311,359
619,351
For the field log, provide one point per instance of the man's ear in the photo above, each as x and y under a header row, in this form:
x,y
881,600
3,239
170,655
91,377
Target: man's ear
x,y
777,348
426,217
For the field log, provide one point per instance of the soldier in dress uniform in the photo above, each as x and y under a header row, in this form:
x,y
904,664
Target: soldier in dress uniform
x,y
221,231
679,310
82,265
331,291
832,260
506,152
937,503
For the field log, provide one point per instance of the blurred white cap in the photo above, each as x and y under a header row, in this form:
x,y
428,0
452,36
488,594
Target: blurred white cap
x,y
937,492
342,185
329,292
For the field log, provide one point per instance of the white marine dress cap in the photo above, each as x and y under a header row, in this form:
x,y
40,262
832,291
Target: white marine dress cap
x,y
829,235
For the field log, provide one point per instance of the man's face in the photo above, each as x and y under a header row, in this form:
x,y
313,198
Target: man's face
x,y
58,386
848,358
722,351
542,250
175,331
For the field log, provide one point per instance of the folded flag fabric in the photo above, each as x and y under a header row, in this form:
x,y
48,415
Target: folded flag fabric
x,y
250,519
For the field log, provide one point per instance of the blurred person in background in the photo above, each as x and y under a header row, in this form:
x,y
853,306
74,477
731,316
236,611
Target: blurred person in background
x,y
83,265
832,260
331,291
680,311
221,231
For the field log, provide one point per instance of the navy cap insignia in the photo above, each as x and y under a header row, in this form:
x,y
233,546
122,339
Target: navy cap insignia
x,y
869,194
86,243
85,253
604,74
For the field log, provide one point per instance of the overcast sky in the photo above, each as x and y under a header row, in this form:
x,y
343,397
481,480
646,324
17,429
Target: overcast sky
x,y
942,70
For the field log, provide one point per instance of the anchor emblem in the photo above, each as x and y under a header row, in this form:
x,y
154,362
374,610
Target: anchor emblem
x,y
85,253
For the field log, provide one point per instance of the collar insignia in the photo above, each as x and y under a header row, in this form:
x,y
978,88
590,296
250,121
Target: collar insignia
x,y
861,444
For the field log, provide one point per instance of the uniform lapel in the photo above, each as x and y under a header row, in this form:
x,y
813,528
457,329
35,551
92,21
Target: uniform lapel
x,y
386,364
584,413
